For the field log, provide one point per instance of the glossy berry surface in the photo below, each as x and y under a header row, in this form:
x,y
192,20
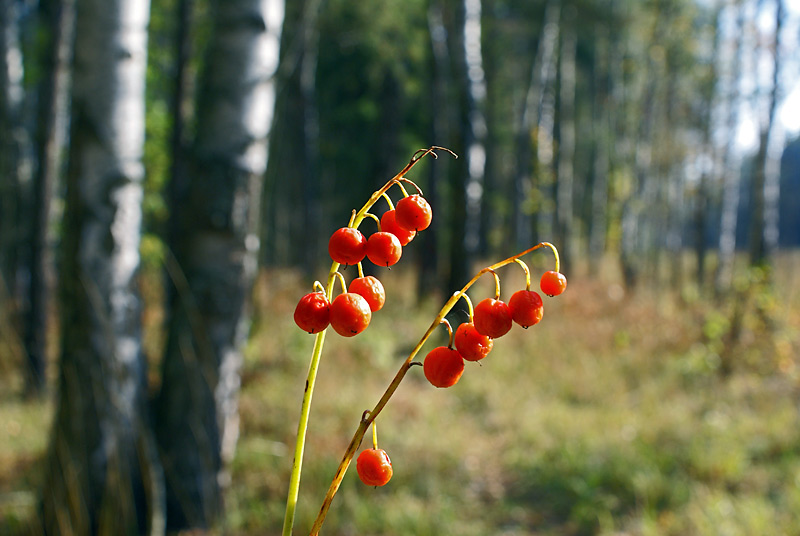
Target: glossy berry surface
x,y
492,318
526,307
389,224
371,289
553,283
350,314
470,344
413,213
443,366
384,249
374,467
312,313
347,246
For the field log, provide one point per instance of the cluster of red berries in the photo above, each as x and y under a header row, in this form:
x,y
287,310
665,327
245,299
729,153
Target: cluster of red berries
x,y
492,318
350,312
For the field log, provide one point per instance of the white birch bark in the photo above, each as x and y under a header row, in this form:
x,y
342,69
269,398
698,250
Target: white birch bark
x,y
197,409
98,435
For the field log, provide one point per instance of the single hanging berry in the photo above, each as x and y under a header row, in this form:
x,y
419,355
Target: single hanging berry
x,y
347,246
350,314
389,224
413,213
526,307
371,288
384,249
312,313
553,283
472,345
443,366
374,467
492,318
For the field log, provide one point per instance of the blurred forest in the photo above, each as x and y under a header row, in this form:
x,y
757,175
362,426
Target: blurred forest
x,y
160,161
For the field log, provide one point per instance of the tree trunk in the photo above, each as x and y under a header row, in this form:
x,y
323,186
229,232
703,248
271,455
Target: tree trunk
x,y
731,164
215,259
95,474
703,195
58,16
429,279
762,245
11,93
566,149
474,235
460,257
530,119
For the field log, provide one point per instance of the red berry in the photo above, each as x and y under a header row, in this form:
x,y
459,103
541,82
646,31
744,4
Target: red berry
x,y
470,344
492,318
553,283
383,248
312,313
443,366
347,246
526,307
389,224
371,289
374,467
413,213
350,314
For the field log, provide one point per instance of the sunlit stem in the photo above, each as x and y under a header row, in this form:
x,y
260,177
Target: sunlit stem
x,y
388,200
469,306
305,407
340,277
374,217
395,383
302,427
319,287
555,254
414,184
360,270
374,435
527,273
449,332
496,284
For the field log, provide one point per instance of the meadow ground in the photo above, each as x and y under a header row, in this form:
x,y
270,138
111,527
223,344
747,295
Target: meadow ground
x,y
641,414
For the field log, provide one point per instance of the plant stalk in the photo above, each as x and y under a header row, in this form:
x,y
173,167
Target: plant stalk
x,y
305,408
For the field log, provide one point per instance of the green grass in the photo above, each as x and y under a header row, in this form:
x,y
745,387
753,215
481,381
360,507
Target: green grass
x,y
611,416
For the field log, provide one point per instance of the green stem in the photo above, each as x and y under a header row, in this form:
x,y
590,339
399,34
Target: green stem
x,y
305,408
302,427
369,416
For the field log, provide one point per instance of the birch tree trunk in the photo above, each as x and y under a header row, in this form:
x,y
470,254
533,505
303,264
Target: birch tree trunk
x,y
95,478
214,260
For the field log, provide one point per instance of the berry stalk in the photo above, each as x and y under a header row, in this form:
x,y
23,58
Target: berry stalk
x,y
305,408
369,416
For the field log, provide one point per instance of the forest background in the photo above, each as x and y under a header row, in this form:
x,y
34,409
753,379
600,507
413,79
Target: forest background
x,y
170,173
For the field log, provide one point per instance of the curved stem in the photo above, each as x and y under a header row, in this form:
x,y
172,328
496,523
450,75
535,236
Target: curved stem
x,y
449,332
305,407
370,416
496,284
527,273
